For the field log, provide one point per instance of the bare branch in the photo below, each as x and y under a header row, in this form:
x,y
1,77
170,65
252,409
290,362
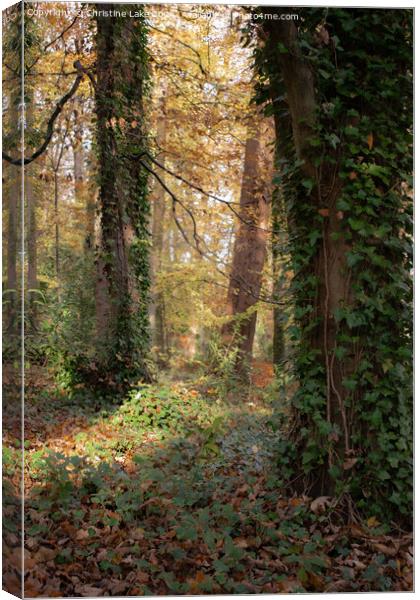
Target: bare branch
x,y
199,63
50,126
250,224
241,283
60,36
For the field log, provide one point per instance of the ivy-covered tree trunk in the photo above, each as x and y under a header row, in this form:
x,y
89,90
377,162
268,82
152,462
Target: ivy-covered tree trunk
x,y
123,261
345,178
277,256
249,253
279,223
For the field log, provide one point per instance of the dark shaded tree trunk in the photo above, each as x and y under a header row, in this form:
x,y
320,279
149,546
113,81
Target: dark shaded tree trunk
x,y
248,259
280,226
115,270
329,264
338,168
277,253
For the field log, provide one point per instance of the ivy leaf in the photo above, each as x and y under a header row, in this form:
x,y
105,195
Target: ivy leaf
x,y
282,48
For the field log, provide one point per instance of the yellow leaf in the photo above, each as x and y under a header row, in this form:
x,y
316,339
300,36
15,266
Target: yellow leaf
x,y
370,141
372,522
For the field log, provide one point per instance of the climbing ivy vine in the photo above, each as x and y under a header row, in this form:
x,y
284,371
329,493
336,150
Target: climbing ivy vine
x,y
123,84
357,208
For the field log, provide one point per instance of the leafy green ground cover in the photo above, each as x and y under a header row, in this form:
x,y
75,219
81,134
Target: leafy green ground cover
x,y
178,492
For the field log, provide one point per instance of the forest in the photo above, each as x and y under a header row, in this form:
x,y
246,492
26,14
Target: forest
x,y
207,299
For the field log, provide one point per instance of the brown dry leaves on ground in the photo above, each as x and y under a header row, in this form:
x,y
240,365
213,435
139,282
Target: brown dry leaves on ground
x,y
115,506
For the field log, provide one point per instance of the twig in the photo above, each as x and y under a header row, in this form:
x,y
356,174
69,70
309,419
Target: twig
x,y
199,63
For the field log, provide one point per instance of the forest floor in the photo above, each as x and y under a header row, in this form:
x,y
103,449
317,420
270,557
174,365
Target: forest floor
x,y
176,491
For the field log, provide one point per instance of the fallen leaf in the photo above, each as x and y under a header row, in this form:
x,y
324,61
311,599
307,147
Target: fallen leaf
x,y
319,505
82,534
297,501
33,587
241,542
117,587
12,584
288,585
316,581
89,590
137,534
387,550
44,554
372,522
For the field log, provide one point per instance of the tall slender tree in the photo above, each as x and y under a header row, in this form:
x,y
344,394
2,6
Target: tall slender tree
x,y
13,195
248,257
157,304
32,278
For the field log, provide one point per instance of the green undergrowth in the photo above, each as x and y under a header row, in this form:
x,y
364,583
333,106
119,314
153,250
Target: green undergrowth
x,y
182,489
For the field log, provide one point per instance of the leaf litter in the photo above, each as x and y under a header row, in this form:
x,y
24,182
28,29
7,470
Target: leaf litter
x,y
176,492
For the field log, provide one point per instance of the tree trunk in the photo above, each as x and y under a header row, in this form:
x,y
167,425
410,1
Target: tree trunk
x,y
12,242
248,259
57,230
122,262
32,248
157,306
80,186
277,253
280,225
329,264
14,204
